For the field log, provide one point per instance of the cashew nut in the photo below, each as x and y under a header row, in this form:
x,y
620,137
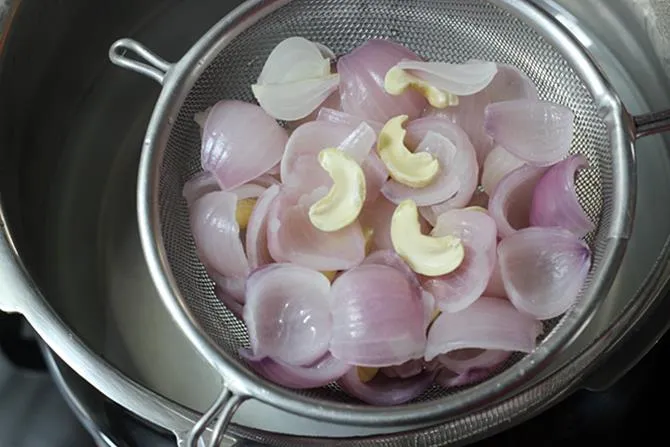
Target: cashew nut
x,y
344,201
243,212
398,80
330,274
366,374
426,255
415,170
369,235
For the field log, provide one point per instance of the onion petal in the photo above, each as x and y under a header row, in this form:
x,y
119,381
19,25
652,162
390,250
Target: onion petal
x,y
458,79
489,323
511,200
295,59
538,132
217,234
295,100
543,270
377,216
459,289
408,369
555,201
240,142
464,162
362,73
257,236
375,177
233,286
312,137
293,238
444,187
465,360
495,287
449,379
498,164
391,259
199,185
383,390
327,370
509,83
378,319
287,313
339,117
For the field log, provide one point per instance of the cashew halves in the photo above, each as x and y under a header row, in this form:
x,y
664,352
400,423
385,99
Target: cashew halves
x,y
243,212
415,170
426,255
398,80
344,201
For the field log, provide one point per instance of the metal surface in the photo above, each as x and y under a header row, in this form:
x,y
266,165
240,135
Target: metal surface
x,y
70,206
225,61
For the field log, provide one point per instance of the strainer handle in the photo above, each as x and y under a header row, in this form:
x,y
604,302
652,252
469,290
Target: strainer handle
x,y
149,64
222,410
651,123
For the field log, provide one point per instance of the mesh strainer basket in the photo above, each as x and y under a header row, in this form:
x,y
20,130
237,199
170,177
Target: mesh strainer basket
x,y
227,60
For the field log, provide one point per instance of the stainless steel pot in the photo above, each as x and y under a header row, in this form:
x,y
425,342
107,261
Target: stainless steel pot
x,y
70,260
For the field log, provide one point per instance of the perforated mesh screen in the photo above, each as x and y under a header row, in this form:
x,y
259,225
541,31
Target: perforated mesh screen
x,y
441,30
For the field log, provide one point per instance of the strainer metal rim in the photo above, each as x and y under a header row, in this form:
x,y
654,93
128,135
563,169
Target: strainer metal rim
x,y
178,82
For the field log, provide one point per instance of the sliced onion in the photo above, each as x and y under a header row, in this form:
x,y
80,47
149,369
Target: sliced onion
x,y
217,234
377,216
406,370
358,144
466,360
543,270
391,259
248,191
538,132
449,379
328,369
555,201
383,390
240,142
234,287
375,177
199,185
498,164
511,201
287,313
362,73
377,317
267,180
295,100
429,307
458,79
257,236
231,303
444,187
509,83
464,163
495,287
293,238
339,117
310,138
295,59
462,287
488,323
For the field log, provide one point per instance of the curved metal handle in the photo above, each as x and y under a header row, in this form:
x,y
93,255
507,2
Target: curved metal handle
x,y
149,64
223,408
651,123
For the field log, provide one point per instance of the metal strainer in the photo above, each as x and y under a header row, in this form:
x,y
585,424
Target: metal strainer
x,y
227,60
